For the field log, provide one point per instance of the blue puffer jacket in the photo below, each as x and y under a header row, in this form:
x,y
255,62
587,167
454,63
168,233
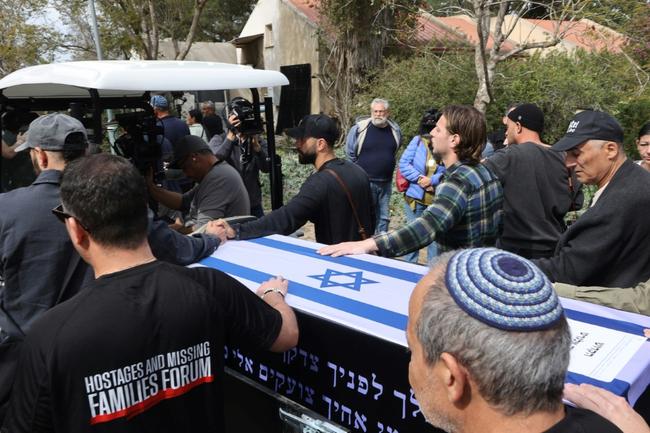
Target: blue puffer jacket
x,y
413,164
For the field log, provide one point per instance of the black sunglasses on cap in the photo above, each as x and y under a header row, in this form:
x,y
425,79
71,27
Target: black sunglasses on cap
x,y
63,215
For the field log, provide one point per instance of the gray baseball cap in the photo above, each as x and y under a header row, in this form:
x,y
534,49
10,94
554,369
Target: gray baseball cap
x,y
49,132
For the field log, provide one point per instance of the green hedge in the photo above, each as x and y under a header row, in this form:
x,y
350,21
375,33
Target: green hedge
x,y
558,83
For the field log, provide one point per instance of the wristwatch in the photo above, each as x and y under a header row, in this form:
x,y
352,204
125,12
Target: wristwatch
x,y
272,290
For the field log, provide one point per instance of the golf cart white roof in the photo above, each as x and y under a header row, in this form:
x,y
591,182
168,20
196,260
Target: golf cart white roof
x,y
119,78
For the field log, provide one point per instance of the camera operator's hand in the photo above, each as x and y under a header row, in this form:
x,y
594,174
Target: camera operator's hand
x,y
21,138
255,144
234,122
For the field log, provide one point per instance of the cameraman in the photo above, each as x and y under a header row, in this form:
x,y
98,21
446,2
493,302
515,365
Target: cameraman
x,y
245,151
17,168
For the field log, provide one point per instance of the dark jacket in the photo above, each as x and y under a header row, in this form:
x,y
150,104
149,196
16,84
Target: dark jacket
x,y
537,196
608,245
249,164
321,200
38,262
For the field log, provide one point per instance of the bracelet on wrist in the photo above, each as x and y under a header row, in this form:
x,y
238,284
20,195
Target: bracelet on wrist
x,y
272,290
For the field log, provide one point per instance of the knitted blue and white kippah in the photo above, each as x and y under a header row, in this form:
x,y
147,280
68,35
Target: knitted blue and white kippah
x,y
502,290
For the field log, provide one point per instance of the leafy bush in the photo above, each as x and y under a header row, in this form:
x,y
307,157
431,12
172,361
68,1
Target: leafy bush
x,y
559,83
414,85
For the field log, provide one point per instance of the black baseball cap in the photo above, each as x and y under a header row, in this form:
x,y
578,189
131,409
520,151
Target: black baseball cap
x,y
316,126
530,116
590,125
185,146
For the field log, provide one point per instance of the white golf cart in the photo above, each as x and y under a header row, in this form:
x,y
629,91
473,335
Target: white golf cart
x,y
88,88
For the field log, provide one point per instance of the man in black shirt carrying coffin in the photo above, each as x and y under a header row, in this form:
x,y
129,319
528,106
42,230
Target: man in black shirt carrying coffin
x,y
336,197
141,348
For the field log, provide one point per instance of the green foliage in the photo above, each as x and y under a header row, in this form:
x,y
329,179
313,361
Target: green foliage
x,y
637,30
558,83
354,36
126,26
561,83
293,173
22,41
615,14
223,20
414,85
633,114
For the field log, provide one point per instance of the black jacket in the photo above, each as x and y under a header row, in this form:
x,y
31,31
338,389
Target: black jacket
x,y
608,245
537,196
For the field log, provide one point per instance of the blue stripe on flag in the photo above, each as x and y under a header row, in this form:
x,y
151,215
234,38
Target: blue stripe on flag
x,y
370,312
617,325
388,271
617,386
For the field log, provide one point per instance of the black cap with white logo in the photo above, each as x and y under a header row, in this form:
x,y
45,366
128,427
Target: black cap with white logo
x,y
590,125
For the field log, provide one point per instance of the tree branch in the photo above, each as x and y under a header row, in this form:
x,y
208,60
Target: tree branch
x,y
198,8
154,30
528,46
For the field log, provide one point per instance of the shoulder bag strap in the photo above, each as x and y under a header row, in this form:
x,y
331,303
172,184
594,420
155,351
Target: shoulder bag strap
x,y
362,231
572,192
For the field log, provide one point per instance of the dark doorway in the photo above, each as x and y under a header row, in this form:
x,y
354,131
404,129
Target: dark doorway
x,y
295,100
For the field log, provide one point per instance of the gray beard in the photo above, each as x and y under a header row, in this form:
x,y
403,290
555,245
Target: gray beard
x,y
380,123
440,422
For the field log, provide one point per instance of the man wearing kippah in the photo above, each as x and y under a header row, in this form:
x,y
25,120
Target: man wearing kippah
x,y
608,245
490,348
538,189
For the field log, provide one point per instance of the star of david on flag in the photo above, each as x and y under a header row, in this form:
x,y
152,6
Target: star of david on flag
x,y
349,280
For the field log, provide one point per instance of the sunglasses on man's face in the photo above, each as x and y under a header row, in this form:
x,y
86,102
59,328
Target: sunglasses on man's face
x,y
63,215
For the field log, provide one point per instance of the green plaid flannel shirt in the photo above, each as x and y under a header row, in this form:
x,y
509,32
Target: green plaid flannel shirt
x,y
466,212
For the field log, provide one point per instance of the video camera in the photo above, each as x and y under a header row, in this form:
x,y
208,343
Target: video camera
x,y
142,142
245,112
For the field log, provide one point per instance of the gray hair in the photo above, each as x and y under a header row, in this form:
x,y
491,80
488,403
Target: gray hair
x,y
207,104
380,101
515,372
600,143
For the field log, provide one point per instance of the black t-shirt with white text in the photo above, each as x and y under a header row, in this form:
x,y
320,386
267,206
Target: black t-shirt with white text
x,y
140,350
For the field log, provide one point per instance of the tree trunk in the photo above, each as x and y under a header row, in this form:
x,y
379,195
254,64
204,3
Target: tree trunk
x,y
485,75
189,39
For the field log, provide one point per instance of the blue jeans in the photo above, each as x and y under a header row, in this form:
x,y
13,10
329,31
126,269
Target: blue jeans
x,y
432,249
381,198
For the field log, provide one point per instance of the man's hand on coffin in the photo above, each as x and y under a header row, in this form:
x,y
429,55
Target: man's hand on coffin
x,y
610,406
346,248
221,229
273,290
